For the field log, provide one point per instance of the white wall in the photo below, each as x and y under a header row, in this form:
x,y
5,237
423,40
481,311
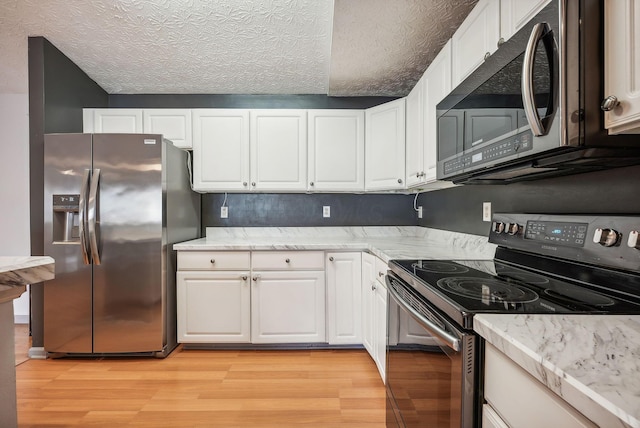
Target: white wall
x,y
14,185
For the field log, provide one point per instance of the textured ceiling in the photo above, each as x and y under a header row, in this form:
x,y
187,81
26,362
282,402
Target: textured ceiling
x,y
350,48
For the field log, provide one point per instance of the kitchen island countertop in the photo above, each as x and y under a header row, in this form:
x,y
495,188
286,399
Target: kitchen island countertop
x,y
591,361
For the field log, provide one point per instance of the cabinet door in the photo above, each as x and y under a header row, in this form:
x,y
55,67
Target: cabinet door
x,y
278,150
117,121
490,419
622,62
336,150
213,307
437,85
415,135
477,37
173,124
385,146
220,149
514,14
380,330
288,307
344,298
368,293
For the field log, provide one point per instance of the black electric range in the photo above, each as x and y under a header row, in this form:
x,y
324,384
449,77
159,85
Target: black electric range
x,y
544,264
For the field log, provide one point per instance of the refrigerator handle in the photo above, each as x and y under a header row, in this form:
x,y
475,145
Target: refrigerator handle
x,y
82,213
92,213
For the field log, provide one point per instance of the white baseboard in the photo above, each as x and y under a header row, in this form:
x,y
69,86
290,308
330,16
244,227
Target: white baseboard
x,y
37,353
20,319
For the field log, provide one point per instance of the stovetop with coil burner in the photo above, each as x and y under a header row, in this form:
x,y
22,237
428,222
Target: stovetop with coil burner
x,y
543,264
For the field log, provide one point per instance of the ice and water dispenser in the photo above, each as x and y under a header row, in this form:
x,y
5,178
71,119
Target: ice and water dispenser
x,y
66,218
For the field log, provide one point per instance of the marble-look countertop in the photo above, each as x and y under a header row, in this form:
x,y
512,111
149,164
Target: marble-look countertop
x,y
16,272
591,361
386,242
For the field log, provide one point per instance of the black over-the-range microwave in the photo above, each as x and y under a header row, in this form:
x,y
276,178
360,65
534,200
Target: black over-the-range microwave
x,y
532,109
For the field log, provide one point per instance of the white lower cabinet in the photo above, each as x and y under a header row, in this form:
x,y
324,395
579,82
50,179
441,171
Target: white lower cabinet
x,y
214,307
344,298
519,400
287,307
374,310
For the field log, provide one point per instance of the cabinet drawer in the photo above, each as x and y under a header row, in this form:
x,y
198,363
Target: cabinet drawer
x,y
213,260
381,271
287,260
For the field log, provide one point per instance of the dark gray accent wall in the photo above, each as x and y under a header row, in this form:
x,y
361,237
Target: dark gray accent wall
x,y
298,210
242,101
615,191
58,90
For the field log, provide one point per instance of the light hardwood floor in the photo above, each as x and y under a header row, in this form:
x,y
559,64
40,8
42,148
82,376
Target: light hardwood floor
x,y
193,388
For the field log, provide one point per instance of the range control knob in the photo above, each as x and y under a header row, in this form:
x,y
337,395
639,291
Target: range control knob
x,y
498,227
606,237
633,240
513,228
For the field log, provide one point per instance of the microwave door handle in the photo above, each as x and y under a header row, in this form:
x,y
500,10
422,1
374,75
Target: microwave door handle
x,y
92,216
527,80
451,341
82,214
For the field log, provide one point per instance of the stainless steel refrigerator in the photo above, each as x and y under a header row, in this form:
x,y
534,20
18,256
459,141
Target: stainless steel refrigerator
x,y
113,205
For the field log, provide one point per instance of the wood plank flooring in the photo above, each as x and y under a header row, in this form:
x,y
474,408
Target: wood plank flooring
x,y
194,388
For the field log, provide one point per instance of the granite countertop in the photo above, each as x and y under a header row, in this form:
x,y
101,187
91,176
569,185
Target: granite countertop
x,y
16,272
592,361
386,242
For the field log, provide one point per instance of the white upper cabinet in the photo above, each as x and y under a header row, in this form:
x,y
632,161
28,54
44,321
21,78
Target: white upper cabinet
x,y
336,150
514,14
220,149
173,124
113,120
278,150
476,38
622,62
385,146
415,148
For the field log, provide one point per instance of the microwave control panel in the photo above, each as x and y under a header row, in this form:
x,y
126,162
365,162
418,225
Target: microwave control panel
x,y
505,148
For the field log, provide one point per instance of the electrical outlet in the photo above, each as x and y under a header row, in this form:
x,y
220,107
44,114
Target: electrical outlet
x,y
419,212
224,212
486,211
326,211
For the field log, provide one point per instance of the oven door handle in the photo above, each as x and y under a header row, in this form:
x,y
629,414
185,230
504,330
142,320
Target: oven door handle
x,y
450,340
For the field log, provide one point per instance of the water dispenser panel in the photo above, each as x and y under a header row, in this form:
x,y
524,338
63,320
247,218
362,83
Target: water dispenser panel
x,y
66,218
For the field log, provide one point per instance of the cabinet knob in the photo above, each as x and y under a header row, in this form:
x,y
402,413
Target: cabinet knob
x,y
288,261
417,175
373,286
256,278
253,183
380,274
330,259
500,41
244,277
609,103
311,184
399,180
487,55
244,183
213,261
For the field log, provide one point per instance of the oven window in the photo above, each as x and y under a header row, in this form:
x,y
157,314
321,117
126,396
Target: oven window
x,y
423,378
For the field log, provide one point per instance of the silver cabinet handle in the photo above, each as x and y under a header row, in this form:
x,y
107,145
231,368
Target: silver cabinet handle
x,y
311,184
609,103
380,274
487,55
330,259
373,286
399,180
82,213
244,277
256,278
212,261
287,261
253,183
500,41
92,216
244,183
527,80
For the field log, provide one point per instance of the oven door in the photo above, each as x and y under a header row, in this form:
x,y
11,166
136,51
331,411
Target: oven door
x,y
431,365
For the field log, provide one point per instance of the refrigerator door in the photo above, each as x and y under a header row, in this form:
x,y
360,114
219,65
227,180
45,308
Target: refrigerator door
x,y
67,298
128,211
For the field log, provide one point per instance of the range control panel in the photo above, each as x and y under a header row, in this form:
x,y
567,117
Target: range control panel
x,y
600,240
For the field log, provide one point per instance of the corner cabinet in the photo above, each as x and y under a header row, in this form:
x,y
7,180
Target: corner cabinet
x,y
385,146
288,297
336,150
344,298
213,297
621,76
